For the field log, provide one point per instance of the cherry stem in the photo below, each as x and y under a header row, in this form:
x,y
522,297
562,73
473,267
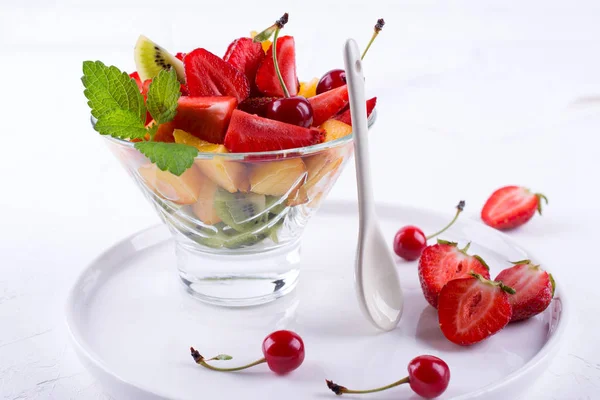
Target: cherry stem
x,y
277,71
378,27
339,390
459,208
201,361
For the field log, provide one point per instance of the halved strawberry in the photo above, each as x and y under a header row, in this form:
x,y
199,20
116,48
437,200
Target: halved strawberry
x,y
255,105
251,133
345,116
245,55
135,76
534,286
206,118
266,78
474,308
511,206
208,75
326,105
443,262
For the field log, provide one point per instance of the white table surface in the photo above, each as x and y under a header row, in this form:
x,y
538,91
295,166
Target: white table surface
x,y
473,95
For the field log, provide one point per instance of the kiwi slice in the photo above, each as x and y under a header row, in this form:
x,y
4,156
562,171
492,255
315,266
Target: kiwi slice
x,y
276,204
150,59
241,211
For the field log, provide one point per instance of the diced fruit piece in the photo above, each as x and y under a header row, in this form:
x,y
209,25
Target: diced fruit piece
x,y
326,105
203,146
320,165
266,78
277,178
266,45
256,105
179,56
511,206
308,89
183,189
345,116
205,117
209,75
251,133
135,76
246,56
150,59
534,287
473,309
335,129
443,262
165,133
241,211
204,208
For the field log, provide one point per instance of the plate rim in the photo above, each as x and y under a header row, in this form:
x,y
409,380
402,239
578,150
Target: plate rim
x,y
332,207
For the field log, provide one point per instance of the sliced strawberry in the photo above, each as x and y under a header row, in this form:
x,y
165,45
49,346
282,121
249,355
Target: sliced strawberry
x,y
144,89
208,75
266,78
251,133
180,56
511,206
345,116
165,133
245,55
472,309
534,286
138,80
443,262
326,105
255,105
205,117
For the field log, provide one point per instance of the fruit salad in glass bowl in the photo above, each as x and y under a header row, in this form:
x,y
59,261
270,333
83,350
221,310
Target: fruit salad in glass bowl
x,y
234,152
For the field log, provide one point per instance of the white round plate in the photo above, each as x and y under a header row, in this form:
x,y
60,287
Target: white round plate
x,y
132,322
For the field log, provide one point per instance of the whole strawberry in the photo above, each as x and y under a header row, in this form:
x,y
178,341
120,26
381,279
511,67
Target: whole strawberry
x,y
444,261
511,206
473,309
534,286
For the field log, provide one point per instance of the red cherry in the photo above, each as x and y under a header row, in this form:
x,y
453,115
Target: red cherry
x,y
410,242
428,376
293,110
331,80
284,351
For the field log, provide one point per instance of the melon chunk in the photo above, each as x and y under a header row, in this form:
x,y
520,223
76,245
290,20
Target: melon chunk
x,y
183,189
277,178
204,208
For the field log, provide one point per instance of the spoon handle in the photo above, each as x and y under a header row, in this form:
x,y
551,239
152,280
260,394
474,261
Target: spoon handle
x,y
360,129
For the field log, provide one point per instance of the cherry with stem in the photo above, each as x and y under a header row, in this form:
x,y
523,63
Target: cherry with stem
x,y
410,241
428,376
337,77
295,110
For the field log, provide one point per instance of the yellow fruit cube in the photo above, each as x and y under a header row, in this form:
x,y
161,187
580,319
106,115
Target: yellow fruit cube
x,y
265,45
202,145
335,129
308,89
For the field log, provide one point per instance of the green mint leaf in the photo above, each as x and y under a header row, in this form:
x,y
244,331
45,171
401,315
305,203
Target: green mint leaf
x,y
163,94
152,130
121,124
172,157
108,89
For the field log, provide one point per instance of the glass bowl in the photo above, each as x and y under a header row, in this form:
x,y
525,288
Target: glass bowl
x,y
237,218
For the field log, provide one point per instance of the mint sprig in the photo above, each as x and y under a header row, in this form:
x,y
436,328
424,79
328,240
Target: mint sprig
x,y
174,157
117,104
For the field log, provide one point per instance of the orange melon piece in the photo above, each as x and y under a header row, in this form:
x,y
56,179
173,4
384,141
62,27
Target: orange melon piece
x,y
335,129
308,89
277,178
183,189
204,208
230,175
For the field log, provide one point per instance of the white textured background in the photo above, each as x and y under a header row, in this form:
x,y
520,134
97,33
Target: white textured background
x,y
473,95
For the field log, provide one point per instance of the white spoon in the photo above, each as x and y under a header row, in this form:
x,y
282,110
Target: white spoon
x,y
377,285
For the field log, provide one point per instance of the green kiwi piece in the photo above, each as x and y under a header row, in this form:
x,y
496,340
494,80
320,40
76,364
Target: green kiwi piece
x,y
241,211
150,59
275,204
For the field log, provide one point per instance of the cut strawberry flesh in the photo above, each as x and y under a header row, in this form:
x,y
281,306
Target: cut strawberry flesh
x,y
509,207
206,118
251,133
470,310
442,263
266,78
245,55
138,80
533,290
346,117
180,56
326,105
256,105
208,75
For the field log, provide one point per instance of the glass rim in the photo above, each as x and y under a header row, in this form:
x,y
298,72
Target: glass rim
x,y
298,151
